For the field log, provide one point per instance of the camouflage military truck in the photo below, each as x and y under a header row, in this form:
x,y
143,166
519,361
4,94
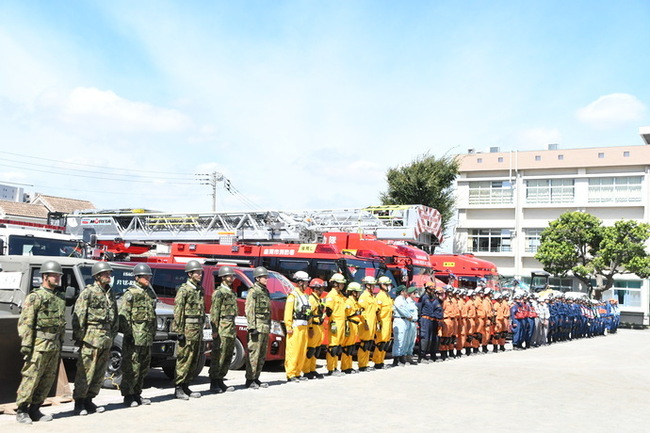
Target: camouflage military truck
x,y
21,275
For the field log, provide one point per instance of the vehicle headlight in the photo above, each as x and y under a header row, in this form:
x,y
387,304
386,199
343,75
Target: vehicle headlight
x,y
160,323
276,328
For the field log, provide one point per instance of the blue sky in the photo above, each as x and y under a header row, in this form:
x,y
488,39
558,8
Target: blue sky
x,y
302,104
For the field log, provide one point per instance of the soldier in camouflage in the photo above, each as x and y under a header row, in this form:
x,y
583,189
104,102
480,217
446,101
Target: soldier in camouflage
x,y
41,327
138,324
189,316
258,316
222,315
94,325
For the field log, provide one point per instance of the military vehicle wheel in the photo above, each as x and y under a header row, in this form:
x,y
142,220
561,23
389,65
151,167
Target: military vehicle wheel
x,y
113,375
238,355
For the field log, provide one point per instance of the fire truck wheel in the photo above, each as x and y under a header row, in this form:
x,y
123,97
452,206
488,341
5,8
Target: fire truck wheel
x,y
238,355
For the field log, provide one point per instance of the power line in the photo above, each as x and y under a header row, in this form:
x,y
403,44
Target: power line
x,y
94,166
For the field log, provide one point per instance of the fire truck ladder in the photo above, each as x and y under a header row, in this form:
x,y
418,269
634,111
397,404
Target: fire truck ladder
x,y
416,224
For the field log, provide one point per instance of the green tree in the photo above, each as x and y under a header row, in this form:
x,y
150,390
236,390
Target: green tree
x,y
426,180
577,244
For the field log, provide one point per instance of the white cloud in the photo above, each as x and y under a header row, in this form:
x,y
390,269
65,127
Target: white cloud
x,y
612,110
105,110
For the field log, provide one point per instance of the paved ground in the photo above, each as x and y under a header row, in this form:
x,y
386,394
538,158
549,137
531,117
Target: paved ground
x,y
594,385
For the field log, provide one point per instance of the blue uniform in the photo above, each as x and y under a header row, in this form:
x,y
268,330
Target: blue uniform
x,y
430,311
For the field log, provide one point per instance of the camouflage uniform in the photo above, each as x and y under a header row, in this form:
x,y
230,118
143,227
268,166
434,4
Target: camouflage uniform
x,y
258,316
138,324
41,328
189,316
94,325
222,315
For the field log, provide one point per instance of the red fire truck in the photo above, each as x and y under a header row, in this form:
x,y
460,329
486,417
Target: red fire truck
x,y
464,270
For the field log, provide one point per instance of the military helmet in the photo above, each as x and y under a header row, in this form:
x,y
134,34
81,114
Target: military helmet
x,y
301,276
100,267
369,279
384,280
142,269
225,270
193,265
354,287
337,278
260,271
51,267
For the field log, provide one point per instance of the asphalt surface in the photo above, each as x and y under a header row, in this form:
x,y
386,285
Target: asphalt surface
x,y
592,385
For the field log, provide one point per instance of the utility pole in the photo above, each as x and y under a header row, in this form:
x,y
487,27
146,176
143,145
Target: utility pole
x,y
211,179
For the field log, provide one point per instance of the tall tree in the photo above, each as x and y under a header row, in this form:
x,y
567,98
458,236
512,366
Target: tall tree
x,y
577,244
426,180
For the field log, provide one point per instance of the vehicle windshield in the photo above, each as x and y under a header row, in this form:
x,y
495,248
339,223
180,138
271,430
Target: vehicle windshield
x,y
20,245
421,276
121,279
278,285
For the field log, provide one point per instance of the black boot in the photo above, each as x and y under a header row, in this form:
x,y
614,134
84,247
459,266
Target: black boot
x,y
485,349
129,401
396,361
141,400
459,353
443,355
22,415
188,391
92,407
250,384
180,393
495,348
36,415
475,349
79,408
468,351
502,348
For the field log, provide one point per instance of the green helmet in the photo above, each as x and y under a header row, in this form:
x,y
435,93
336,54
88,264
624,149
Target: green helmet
x,y
384,280
51,267
260,271
225,270
193,265
354,287
100,267
337,278
142,269
369,280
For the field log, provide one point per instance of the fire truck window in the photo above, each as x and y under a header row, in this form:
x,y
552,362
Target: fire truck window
x,y
289,267
166,281
324,270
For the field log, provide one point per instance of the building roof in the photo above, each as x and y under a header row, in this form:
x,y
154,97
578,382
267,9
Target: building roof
x,y
25,210
556,158
62,204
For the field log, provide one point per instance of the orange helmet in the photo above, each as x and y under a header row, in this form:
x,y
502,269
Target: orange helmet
x,y
317,283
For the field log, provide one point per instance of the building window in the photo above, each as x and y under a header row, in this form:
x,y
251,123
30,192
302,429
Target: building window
x,y
533,239
601,155
538,157
560,157
486,192
626,154
615,189
490,241
500,159
627,293
550,191
479,160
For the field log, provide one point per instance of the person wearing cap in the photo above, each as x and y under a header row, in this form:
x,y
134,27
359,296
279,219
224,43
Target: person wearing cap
x,y
41,327
189,317
502,321
470,321
448,324
518,315
384,319
335,304
296,320
353,321
368,306
94,326
430,312
481,320
137,322
223,311
543,315
258,318
401,320
488,306
412,330
314,329
461,322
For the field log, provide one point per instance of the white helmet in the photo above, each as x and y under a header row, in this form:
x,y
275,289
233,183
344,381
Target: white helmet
x,y
301,276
